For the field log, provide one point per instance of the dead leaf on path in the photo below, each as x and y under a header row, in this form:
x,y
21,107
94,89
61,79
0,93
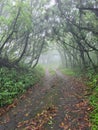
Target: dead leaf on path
x,y
7,119
65,127
62,124
82,104
22,123
23,96
2,110
7,108
40,119
27,114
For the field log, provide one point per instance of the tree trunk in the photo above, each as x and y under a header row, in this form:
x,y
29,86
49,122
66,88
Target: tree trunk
x,y
24,50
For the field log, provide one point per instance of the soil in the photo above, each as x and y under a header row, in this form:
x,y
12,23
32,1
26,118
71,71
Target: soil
x,y
64,93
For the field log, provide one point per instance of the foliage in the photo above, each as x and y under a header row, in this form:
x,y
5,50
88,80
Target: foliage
x,y
93,84
14,82
25,33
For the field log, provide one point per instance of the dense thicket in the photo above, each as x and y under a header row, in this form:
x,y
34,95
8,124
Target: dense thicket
x,y
27,27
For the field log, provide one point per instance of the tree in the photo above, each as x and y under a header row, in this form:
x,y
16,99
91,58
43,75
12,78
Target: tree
x,y
25,33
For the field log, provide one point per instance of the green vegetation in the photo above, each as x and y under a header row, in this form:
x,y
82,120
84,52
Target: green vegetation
x,y
52,71
93,84
69,72
13,82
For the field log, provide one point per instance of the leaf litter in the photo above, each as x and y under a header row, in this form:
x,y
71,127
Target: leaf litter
x,y
40,119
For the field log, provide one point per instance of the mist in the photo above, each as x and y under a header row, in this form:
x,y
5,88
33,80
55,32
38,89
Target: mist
x,y
50,59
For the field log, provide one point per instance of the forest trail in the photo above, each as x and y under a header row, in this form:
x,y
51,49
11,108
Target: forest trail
x,y
57,103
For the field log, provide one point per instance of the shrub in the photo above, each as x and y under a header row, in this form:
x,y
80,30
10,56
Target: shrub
x,y
93,84
13,82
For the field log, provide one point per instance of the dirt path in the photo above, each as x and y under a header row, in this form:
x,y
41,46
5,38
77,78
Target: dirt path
x,y
55,104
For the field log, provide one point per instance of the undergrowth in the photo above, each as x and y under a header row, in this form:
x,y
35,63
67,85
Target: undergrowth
x,y
13,82
67,71
93,84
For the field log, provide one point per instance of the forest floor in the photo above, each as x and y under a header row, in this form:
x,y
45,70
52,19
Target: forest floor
x,y
56,103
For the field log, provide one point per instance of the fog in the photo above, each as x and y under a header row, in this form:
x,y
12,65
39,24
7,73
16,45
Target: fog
x,y
50,59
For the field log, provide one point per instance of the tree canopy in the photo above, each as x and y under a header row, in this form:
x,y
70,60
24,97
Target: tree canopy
x,y
27,27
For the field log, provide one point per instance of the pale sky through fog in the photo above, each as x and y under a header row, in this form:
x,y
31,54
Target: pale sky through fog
x,y
52,2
